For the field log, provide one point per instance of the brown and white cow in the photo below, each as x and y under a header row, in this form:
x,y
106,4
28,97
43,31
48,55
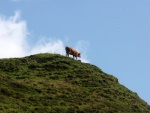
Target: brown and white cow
x,y
72,51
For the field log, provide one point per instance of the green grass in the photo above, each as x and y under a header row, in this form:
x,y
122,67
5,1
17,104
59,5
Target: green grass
x,y
51,83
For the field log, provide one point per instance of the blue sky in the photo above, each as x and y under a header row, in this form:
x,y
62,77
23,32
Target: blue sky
x,y
111,34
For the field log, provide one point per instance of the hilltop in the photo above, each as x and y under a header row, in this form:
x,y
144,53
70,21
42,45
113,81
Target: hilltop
x,y
52,83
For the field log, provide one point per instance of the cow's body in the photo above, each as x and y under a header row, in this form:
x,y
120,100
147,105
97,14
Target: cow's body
x,y
72,51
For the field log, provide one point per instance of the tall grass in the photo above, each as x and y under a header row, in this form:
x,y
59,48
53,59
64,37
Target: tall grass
x,y
51,83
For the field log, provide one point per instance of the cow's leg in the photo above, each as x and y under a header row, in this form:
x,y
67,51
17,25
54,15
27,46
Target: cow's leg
x,y
73,56
76,57
67,54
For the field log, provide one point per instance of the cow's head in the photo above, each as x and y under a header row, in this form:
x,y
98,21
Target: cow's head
x,y
79,54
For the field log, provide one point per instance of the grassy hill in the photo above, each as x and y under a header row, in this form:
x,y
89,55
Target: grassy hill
x,y
51,83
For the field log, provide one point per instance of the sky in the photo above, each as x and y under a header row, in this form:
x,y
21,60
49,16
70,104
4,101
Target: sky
x,y
111,34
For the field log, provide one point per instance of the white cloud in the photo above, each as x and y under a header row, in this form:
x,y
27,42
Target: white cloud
x,y
12,36
83,46
14,40
48,46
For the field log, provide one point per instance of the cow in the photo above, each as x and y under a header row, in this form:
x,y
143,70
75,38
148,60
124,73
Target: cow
x,y
73,52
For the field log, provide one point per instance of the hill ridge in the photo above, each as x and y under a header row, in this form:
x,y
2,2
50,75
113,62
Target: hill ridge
x,y
53,83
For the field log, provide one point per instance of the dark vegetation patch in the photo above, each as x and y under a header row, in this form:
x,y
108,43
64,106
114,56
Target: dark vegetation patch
x,y
51,83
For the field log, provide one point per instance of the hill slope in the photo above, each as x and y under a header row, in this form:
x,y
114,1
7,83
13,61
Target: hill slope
x,y
51,83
